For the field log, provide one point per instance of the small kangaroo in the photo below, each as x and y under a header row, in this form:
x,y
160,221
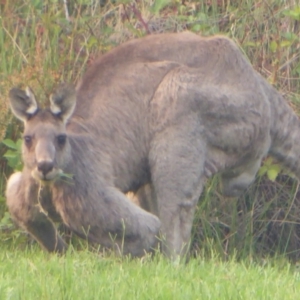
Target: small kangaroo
x,y
164,112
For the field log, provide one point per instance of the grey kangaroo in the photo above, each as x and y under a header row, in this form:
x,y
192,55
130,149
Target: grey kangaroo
x,y
164,112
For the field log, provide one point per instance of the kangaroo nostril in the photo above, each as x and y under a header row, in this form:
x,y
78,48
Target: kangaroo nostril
x,y
45,167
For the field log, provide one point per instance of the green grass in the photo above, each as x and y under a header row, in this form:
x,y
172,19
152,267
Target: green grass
x,y
33,274
40,48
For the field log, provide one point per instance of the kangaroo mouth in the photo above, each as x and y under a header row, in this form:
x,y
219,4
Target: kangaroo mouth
x,y
46,178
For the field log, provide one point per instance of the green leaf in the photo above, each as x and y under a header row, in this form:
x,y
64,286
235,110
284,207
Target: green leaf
x,y
92,42
6,220
294,14
262,171
13,155
10,154
272,174
251,44
286,43
290,36
67,175
159,5
13,162
19,144
10,144
196,27
273,46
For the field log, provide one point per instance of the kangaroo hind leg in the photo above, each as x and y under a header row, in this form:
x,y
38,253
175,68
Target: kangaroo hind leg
x,y
177,162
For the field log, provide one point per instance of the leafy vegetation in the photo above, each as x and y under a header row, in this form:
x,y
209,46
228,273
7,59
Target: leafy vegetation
x,y
13,154
43,43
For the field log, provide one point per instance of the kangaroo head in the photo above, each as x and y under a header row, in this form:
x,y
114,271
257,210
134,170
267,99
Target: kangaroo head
x,y
45,149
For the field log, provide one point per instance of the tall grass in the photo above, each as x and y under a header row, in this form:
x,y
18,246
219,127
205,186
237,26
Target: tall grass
x,y
41,46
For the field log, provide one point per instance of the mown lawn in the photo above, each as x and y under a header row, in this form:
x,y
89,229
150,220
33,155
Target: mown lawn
x,y
34,274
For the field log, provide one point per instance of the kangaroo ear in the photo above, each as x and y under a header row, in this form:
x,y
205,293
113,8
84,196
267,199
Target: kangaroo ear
x,y
23,103
63,101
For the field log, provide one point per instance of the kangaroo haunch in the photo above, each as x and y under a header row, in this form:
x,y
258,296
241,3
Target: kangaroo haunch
x,y
163,112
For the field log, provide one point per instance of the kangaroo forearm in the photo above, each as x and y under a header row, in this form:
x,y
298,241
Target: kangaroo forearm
x,y
44,231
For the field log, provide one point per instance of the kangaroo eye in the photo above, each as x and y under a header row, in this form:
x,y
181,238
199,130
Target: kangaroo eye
x,y
61,139
27,140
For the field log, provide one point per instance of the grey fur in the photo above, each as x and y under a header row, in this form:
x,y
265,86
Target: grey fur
x,y
166,110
